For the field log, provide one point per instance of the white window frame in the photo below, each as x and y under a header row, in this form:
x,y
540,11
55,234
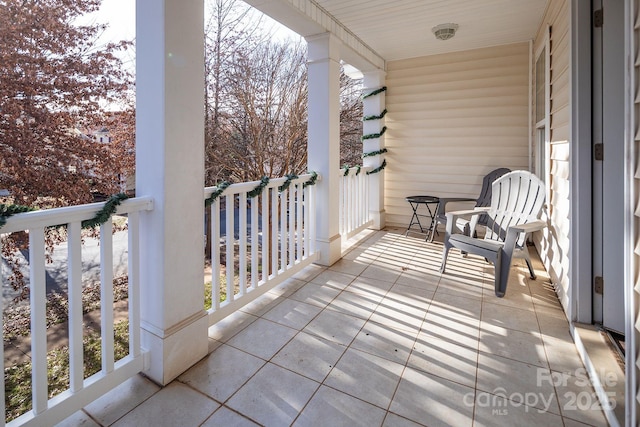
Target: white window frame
x,y
543,148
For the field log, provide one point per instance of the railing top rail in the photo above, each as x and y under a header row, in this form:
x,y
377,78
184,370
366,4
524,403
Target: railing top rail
x,y
243,187
68,214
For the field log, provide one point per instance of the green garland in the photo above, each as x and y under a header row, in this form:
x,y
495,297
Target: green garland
x,y
219,190
8,210
358,168
375,135
312,180
105,213
374,153
379,168
258,190
287,182
375,92
346,170
374,117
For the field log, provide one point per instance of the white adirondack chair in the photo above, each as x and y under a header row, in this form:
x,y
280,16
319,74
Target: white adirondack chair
x,y
516,202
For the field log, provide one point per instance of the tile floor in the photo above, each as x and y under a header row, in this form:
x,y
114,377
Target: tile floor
x,y
381,338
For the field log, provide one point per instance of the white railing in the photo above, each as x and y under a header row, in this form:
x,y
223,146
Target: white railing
x,y
354,202
81,391
265,240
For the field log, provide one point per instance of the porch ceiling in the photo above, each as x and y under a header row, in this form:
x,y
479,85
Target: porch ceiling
x,y
402,29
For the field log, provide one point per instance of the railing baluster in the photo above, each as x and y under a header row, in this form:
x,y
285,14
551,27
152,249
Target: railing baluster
x,y
299,219
274,231
74,273
341,213
265,235
106,295
254,242
312,219
291,227
284,224
230,238
307,222
215,254
38,301
242,226
134,283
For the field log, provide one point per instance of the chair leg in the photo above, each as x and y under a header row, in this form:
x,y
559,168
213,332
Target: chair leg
x,y
501,279
532,273
445,253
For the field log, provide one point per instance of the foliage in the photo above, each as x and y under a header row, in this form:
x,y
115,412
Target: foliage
x,y
54,83
18,378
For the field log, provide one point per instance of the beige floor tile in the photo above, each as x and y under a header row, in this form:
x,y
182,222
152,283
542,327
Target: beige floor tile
x,y
382,273
309,272
352,267
519,382
578,400
385,341
288,287
228,418
420,280
451,305
493,411
357,305
366,376
262,338
521,346
231,325
330,407
393,420
122,399
410,296
221,373
174,405
292,313
335,326
496,316
368,286
309,355
78,419
562,354
398,315
333,278
452,328
433,401
445,359
314,294
274,396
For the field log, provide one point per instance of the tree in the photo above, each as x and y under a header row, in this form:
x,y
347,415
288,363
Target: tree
x,y
52,83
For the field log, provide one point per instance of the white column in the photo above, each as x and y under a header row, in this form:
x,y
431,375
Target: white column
x,y
373,106
170,167
324,140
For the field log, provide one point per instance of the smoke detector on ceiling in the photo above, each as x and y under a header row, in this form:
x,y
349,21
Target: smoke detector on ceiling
x,y
445,31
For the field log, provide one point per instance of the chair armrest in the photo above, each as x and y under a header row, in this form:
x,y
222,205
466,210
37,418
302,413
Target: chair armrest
x,y
529,227
454,215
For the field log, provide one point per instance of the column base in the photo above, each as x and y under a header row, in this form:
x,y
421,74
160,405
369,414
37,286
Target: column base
x,y
172,352
379,219
329,250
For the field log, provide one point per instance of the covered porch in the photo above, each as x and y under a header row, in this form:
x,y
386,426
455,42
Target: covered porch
x,y
380,338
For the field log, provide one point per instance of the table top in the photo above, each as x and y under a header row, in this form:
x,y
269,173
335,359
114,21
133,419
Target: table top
x,y
423,199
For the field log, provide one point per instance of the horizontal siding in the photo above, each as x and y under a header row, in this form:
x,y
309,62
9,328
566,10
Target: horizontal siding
x,y
452,118
553,243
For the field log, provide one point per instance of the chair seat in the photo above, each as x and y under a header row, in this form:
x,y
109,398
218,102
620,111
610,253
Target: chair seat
x,y
485,248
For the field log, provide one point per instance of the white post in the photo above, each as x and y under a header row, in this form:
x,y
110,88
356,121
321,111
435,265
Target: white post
x,y
374,106
170,168
324,140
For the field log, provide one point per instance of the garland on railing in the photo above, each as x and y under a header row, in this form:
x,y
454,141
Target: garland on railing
x,y
375,135
287,182
219,190
258,190
347,170
379,168
312,180
375,92
374,153
8,210
374,117
105,213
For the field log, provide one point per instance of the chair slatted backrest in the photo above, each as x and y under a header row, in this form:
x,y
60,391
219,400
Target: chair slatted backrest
x,y
517,198
484,200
